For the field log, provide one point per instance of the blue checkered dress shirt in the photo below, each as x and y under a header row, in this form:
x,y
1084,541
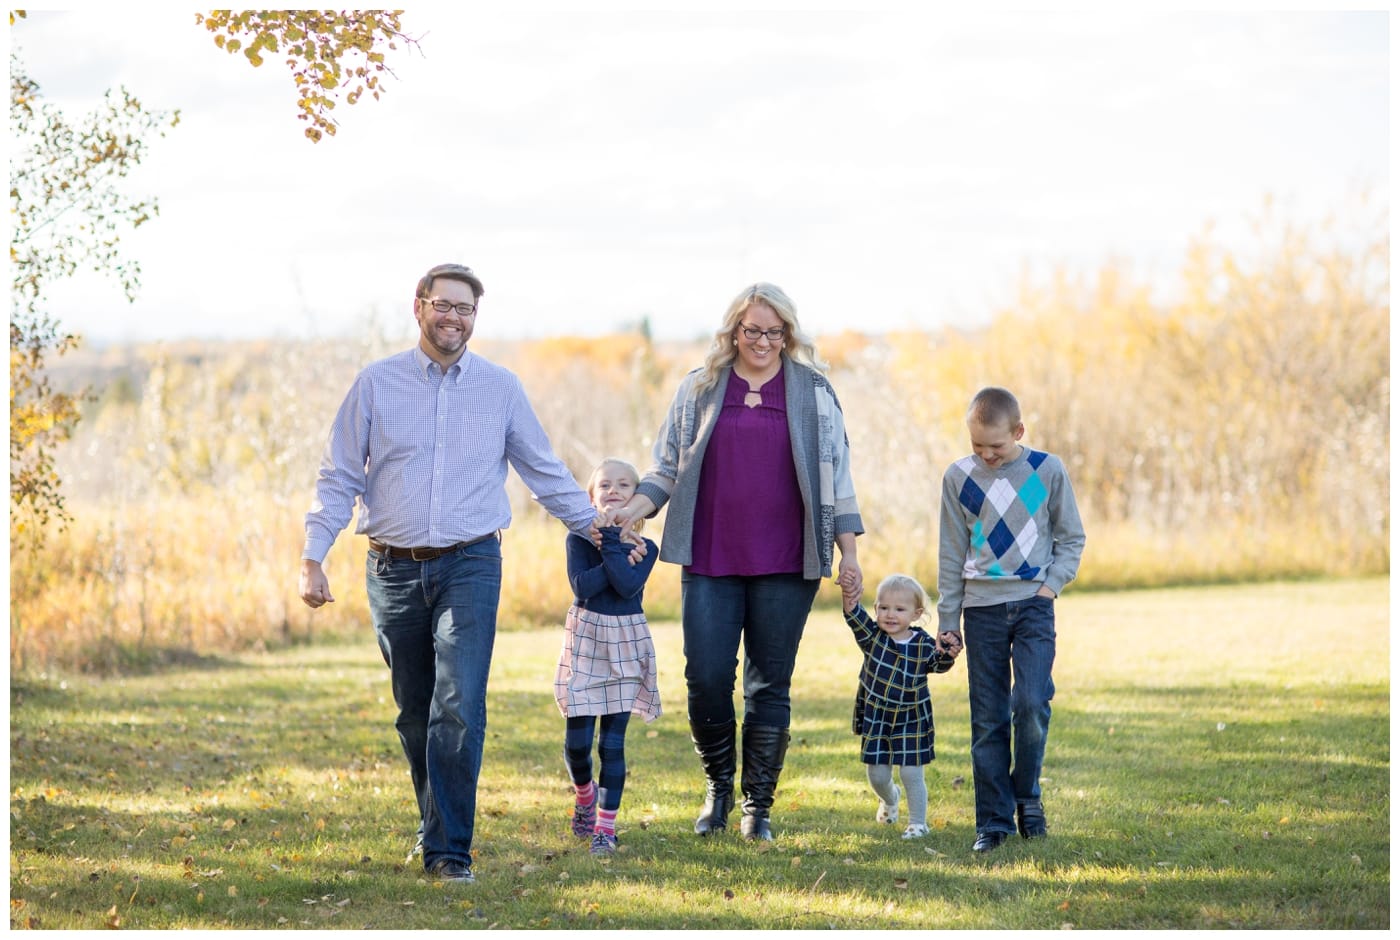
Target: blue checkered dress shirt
x,y
423,455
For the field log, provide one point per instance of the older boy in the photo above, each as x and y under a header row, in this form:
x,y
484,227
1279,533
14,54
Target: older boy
x,y
1010,539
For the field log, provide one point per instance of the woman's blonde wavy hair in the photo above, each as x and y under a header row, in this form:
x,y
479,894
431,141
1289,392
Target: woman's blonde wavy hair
x,y
797,345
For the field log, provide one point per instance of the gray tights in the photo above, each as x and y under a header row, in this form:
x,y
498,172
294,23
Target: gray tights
x,y
911,778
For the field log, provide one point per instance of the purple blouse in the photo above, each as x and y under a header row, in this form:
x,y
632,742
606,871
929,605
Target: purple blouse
x,y
748,511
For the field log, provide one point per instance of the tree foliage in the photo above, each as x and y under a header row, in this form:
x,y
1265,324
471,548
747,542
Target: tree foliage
x,y
330,52
67,213
68,209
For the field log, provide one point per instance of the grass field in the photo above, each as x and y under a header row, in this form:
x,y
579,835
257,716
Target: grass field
x,y
1218,758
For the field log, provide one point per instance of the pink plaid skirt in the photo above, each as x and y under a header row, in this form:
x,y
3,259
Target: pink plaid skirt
x,y
607,666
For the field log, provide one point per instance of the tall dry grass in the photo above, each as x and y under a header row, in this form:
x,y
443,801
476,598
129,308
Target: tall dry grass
x,y
1234,430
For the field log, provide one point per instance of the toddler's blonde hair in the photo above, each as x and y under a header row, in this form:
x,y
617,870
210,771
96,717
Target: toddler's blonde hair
x,y
910,586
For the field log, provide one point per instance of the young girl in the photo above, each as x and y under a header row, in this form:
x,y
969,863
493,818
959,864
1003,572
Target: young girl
x,y
607,668
893,713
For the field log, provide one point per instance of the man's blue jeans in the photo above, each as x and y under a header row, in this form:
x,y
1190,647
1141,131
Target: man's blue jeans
x,y
1010,651
436,623
769,613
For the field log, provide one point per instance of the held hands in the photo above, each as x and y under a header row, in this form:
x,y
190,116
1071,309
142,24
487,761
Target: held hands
x,y
849,580
949,642
626,535
639,546
626,516
848,573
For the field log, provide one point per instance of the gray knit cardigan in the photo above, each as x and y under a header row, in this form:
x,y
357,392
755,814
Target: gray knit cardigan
x,y
820,452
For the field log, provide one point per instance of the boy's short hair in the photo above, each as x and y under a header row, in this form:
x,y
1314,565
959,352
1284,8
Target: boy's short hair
x,y
993,405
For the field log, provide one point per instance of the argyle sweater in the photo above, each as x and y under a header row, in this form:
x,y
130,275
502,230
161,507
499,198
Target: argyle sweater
x,y
1004,532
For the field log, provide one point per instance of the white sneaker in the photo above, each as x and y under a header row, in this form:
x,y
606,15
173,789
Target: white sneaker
x,y
915,831
888,812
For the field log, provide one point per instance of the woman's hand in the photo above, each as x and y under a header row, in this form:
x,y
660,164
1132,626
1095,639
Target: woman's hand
x,y
850,595
848,573
636,508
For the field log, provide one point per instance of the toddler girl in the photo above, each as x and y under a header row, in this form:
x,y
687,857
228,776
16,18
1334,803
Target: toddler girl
x,y
607,668
893,712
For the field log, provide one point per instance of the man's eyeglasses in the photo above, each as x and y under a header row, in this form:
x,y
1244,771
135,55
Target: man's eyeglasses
x,y
775,334
442,306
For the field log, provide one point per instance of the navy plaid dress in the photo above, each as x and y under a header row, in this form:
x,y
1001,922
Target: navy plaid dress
x,y
893,713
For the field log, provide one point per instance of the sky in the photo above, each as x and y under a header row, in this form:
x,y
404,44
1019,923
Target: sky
x,y
889,170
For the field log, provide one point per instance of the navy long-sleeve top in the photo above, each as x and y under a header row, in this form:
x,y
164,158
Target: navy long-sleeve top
x,y
604,581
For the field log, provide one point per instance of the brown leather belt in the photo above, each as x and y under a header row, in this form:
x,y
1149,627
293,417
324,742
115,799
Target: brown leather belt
x,y
424,554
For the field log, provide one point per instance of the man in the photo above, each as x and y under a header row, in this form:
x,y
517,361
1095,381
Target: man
x,y
422,441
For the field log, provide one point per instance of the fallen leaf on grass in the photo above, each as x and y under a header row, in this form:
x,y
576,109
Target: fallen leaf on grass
x,y
1064,906
901,883
729,895
113,921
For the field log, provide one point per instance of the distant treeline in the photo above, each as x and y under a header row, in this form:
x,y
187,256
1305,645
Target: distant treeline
x,y
1237,431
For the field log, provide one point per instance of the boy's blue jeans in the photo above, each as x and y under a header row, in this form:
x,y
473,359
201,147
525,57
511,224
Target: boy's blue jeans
x,y
1010,651
436,623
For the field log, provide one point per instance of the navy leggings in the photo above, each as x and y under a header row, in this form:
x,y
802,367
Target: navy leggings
x,y
612,761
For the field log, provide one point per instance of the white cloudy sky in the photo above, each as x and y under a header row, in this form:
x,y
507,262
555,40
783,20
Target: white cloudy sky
x,y
888,169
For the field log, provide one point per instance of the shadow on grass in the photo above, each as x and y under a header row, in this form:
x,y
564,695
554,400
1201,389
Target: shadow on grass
x,y
1224,806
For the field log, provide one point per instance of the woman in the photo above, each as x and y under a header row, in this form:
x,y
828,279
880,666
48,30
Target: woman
x,y
754,461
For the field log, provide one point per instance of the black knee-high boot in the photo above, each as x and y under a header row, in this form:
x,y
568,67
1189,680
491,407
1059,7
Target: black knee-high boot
x,y
764,749
715,745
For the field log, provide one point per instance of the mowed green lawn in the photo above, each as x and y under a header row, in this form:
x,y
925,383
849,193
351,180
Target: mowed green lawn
x,y
1218,758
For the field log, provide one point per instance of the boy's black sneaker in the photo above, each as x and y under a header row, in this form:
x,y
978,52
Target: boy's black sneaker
x,y
451,870
1030,820
988,841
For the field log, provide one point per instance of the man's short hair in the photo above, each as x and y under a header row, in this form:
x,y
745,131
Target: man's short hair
x,y
452,272
994,405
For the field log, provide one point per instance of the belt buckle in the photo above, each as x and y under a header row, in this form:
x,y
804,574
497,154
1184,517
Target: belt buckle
x,y
428,554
